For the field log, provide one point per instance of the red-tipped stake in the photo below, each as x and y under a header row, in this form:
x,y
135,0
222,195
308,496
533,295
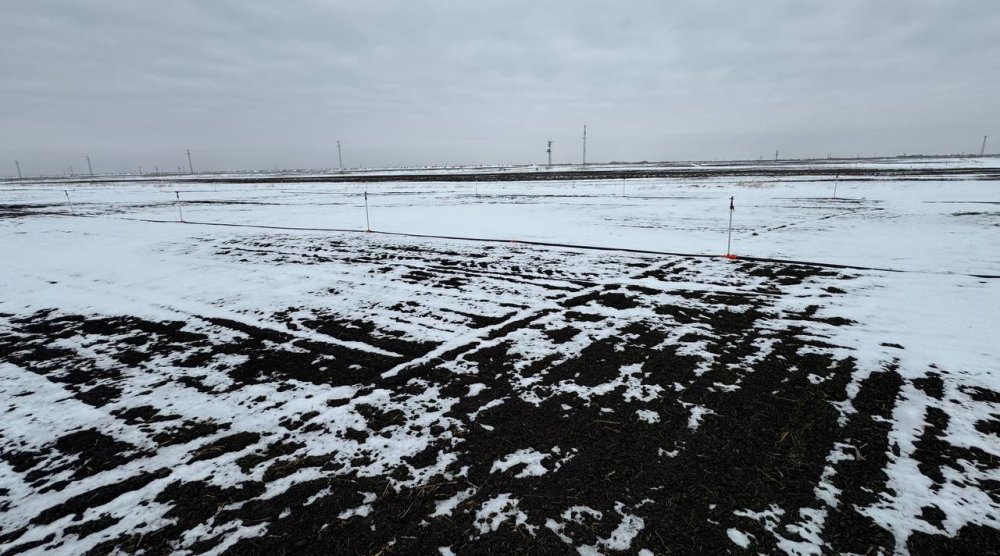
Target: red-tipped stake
x,y
729,242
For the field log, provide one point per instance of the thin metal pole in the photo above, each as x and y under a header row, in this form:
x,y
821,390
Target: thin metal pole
x,y
340,158
623,187
180,213
835,184
368,223
89,167
729,241
190,166
549,152
584,145
18,164
982,150
71,209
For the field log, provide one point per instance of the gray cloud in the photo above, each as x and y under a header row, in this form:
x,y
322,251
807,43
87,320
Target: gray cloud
x,y
253,84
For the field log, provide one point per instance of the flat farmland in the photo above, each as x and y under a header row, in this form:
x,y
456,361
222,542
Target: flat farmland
x,y
524,366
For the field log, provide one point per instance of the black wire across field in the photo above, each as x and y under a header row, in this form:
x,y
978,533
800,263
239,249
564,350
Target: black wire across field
x,y
660,404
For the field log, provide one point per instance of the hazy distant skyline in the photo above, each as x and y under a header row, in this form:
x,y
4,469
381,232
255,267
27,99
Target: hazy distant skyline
x,y
251,84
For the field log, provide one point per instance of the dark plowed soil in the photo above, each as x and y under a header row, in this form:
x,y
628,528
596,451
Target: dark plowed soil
x,y
599,415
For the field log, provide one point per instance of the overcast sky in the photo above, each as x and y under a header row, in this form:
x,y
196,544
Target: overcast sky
x,y
258,84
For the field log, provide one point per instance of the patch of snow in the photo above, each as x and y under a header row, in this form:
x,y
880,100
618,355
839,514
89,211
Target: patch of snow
x,y
361,511
475,389
648,416
532,460
738,537
697,413
497,510
445,507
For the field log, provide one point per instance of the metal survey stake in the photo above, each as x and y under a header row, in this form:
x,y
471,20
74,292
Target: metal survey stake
x,y
729,242
368,224
71,209
835,184
179,212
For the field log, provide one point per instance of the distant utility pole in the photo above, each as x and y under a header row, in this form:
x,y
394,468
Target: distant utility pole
x,y
190,166
549,152
340,158
584,145
18,164
89,167
776,155
982,150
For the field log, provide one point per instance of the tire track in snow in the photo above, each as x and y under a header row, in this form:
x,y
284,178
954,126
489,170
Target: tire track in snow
x,y
519,320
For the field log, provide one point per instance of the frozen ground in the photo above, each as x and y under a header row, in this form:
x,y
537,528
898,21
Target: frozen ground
x,y
199,388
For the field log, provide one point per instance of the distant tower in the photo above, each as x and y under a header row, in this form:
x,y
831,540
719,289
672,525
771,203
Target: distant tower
x,y
18,164
340,158
584,145
548,151
776,155
982,150
190,166
89,167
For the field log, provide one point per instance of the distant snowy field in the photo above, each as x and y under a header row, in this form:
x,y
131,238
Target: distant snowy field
x,y
255,388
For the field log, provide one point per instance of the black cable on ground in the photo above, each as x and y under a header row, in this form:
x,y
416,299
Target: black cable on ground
x,y
560,245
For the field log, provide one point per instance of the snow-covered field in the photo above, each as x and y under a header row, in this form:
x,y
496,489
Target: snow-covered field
x,y
281,386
